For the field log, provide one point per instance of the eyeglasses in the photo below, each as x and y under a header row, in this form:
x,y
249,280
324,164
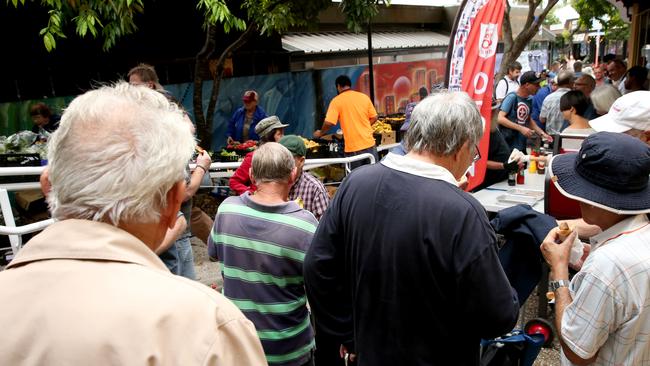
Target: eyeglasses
x,y
477,157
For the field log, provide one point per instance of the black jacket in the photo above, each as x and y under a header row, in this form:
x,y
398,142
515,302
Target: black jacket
x,y
406,267
524,230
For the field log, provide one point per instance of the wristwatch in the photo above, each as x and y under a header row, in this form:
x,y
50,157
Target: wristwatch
x,y
554,285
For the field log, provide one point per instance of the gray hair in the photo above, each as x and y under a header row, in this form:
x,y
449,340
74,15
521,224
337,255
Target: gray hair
x,y
117,152
565,77
442,123
603,97
272,162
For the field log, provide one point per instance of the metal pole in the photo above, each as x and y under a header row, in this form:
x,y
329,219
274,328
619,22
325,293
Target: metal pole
x,y
371,73
597,46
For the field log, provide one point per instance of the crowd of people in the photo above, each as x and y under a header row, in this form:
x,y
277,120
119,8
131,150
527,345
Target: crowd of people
x,y
563,101
401,267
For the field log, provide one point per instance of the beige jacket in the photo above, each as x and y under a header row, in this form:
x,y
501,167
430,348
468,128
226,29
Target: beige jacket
x,y
87,293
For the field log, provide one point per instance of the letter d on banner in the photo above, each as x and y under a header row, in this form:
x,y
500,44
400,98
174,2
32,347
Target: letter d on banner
x,y
471,57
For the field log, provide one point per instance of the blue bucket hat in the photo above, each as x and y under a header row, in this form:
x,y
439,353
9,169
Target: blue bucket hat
x,y
610,172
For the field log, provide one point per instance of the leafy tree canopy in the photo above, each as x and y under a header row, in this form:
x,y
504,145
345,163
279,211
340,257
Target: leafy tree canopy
x,y
110,20
606,13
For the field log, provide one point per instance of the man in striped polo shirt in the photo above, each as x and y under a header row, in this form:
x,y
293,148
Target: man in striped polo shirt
x,y
261,240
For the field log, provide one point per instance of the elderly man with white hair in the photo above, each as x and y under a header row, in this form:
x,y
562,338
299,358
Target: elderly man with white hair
x,y
403,267
89,289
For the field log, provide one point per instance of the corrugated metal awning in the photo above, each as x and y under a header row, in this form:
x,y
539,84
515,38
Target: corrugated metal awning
x,y
544,35
329,42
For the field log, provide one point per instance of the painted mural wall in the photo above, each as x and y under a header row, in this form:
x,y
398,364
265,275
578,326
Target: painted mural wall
x,y
395,84
290,96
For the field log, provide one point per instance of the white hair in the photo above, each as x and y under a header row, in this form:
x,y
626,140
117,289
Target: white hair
x,y
117,152
603,97
443,122
272,162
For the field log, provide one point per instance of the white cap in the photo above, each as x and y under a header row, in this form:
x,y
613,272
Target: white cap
x,y
631,111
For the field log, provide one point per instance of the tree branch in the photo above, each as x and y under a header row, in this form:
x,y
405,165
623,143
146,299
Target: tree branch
x,y
530,17
547,9
530,29
507,28
218,75
200,65
514,46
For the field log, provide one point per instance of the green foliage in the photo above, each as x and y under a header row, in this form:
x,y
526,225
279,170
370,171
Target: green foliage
x,y
278,16
113,19
217,12
359,12
551,19
607,14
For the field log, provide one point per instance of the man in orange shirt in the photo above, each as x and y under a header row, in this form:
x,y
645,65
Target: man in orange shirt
x,y
356,113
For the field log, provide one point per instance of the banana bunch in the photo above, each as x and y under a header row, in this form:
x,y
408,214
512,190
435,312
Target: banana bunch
x,y
395,119
309,144
379,127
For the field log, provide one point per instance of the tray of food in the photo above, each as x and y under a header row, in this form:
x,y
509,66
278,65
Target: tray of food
x,y
519,195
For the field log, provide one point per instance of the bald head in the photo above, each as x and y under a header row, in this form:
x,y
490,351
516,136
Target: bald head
x,y
586,84
565,79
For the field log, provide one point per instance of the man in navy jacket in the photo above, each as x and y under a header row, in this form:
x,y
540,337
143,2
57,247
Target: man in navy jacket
x,y
241,126
403,268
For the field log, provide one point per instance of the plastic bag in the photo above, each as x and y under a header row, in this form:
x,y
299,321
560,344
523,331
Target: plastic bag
x,y
513,349
21,140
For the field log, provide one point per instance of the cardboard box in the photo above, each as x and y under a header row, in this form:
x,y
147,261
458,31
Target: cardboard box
x,y
388,138
31,201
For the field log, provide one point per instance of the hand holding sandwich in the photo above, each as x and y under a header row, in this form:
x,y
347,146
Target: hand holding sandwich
x,y
562,248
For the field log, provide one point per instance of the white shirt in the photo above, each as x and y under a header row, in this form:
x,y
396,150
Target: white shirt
x,y
405,164
505,86
551,111
610,311
621,85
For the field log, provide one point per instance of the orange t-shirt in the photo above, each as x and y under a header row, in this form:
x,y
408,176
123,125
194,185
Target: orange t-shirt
x,y
354,110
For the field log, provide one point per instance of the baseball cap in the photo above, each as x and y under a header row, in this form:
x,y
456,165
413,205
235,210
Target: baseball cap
x,y
631,111
530,77
268,124
249,96
295,144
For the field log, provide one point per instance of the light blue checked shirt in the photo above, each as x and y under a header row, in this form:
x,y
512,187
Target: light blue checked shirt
x,y
610,312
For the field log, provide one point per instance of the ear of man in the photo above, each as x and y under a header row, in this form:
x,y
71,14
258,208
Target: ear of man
x,y
252,177
293,176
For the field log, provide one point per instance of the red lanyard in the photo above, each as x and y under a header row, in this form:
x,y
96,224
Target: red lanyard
x,y
625,233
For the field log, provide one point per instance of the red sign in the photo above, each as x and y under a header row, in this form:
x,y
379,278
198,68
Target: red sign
x,y
472,55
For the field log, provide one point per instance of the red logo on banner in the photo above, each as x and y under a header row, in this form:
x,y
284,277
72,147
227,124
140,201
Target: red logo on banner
x,y
489,40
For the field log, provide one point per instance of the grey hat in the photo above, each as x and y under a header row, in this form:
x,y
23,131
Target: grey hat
x,y
267,125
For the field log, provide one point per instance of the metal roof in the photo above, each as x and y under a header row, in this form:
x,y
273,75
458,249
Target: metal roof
x,y
544,35
328,42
